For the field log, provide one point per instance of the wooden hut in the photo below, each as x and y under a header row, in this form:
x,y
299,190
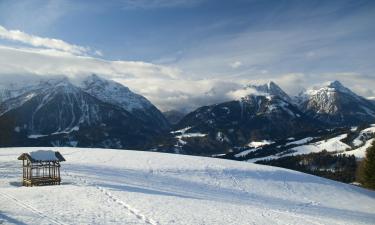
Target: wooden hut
x,y
41,167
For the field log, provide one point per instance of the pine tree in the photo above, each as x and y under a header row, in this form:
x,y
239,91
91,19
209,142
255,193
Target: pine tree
x,y
367,168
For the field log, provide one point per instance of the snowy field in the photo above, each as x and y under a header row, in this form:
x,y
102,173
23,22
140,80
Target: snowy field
x,y
102,186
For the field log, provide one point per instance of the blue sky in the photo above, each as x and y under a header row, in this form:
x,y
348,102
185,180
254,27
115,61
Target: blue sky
x,y
194,47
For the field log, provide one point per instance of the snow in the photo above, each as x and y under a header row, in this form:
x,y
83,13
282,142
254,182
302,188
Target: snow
x,y
103,186
43,155
66,131
35,136
271,157
114,93
182,131
221,137
364,135
323,98
245,153
270,89
330,145
352,129
182,134
182,142
190,135
257,144
299,142
360,152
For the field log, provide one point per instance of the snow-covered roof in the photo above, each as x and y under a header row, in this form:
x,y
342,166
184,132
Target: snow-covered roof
x,y
42,156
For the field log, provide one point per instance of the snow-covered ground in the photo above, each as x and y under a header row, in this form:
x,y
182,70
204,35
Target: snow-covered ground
x,y
257,144
360,152
334,144
299,142
364,135
331,145
102,186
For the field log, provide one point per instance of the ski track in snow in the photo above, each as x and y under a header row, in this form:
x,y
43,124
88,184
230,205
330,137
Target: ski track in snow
x,y
127,187
129,208
265,211
31,208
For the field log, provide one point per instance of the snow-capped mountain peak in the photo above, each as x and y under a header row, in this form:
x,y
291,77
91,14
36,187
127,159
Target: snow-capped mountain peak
x,y
270,89
332,86
336,84
335,103
99,112
115,93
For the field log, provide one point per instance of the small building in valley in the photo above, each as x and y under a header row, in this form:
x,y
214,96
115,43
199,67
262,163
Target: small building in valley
x,y
41,167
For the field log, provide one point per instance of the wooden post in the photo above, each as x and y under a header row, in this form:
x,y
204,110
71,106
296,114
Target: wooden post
x,y
59,179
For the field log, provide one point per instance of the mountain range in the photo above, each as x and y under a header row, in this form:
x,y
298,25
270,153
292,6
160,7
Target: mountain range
x,y
97,112
268,113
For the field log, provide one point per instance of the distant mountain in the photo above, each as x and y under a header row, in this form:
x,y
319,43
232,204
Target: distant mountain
x,y
258,116
98,114
271,89
119,95
102,113
335,104
372,100
174,116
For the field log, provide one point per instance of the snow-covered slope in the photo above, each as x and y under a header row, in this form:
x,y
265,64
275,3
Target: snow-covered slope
x,y
128,187
352,141
301,147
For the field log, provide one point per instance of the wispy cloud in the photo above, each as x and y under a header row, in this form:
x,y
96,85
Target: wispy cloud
x,y
50,62
28,39
240,93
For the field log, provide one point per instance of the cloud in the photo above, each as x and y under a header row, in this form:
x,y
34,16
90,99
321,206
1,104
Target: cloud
x,y
51,43
52,62
238,94
182,94
165,86
235,64
217,66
